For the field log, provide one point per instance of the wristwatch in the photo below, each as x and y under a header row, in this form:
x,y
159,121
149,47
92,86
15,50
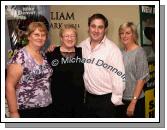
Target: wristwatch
x,y
135,98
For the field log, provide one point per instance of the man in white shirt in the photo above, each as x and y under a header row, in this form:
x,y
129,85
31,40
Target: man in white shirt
x,y
104,75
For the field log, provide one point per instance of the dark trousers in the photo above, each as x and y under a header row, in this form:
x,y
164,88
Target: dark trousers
x,y
42,112
99,106
69,110
139,109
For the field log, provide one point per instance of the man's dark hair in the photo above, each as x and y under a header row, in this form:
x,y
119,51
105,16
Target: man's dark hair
x,y
98,16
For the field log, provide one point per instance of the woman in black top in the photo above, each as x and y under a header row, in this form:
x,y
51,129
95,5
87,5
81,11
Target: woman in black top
x,y
67,85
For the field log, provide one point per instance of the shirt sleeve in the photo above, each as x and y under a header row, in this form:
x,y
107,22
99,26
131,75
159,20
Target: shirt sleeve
x,y
142,69
18,58
117,77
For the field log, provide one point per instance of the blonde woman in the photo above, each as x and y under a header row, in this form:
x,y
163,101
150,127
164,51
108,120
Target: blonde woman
x,y
136,70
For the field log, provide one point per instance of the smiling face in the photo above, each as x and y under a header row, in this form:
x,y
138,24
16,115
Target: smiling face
x,y
37,38
128,33
126,36
97,30
68,38
37,34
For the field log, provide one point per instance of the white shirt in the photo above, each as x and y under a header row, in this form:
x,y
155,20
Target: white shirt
x,y
104,69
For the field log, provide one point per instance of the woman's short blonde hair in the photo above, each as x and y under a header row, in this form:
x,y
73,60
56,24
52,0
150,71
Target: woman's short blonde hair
x,y
67,26
37,25
133,29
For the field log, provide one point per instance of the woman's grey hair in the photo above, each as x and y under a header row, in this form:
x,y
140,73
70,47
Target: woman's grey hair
x,y
67,26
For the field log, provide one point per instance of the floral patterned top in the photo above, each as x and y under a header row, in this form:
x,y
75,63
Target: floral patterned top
x,y
33,89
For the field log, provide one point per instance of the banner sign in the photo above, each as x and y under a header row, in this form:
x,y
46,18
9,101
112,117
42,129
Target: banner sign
x,y
18,18
147,33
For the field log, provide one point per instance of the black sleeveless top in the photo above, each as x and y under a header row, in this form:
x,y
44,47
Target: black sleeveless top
x,y
67,85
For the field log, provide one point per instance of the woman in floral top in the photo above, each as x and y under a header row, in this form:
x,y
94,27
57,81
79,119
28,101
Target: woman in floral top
x,y
28,77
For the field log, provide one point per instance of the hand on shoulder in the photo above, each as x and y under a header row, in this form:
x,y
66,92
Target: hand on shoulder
x,y
51,47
